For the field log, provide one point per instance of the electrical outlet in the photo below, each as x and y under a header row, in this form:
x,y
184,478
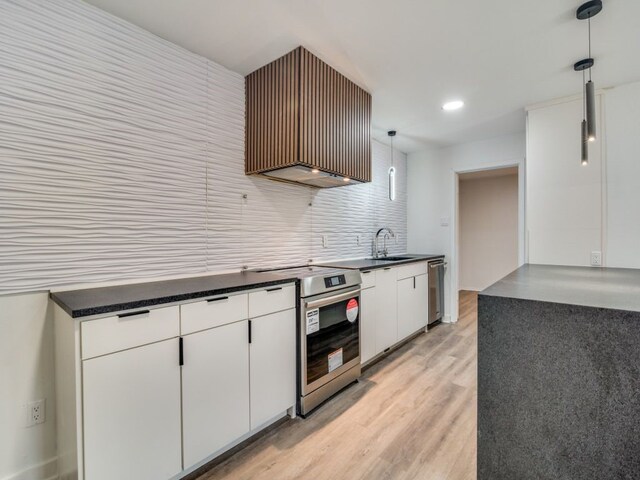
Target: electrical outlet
x,y
325,241
35,413
596,259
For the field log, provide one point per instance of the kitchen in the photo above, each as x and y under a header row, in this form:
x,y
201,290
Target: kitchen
x,y
194,205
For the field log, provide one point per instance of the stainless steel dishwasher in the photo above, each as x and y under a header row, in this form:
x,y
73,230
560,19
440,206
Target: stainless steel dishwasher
x,y
436,291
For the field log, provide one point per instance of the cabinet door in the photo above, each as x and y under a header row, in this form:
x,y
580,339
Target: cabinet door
x,y
368,322
273,365
421,302
131,413
386,302
215,389
406,307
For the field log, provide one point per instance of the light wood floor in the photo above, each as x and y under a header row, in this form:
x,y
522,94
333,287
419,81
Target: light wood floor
x,y
412,416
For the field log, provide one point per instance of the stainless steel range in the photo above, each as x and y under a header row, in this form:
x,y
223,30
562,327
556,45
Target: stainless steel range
x,y
329,332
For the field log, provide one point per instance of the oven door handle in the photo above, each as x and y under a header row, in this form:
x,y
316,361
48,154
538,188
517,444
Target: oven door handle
x,y
329,300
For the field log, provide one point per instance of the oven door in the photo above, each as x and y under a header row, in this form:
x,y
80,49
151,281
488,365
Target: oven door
x,y
330,337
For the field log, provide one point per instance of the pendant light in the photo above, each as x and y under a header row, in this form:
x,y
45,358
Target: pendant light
x,y
392,170
581,66
585,12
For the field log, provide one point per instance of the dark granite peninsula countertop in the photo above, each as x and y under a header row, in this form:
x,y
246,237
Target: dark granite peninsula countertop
x,y
617,288
372,263
102,300
559,374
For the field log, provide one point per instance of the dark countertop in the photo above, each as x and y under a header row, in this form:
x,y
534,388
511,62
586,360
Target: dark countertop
x,y
102,300
372,264
614,288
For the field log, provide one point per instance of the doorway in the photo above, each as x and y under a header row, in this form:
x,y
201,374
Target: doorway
x,y
488,226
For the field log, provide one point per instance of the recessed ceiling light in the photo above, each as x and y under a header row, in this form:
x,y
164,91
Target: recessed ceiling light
x,y
455,105
346,179
315,170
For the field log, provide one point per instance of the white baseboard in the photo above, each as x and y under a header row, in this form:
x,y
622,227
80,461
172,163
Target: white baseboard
x,y
446,319
47,470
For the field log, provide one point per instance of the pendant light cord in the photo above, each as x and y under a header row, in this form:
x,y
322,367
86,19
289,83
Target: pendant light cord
x,y
584,96
392,163
589,22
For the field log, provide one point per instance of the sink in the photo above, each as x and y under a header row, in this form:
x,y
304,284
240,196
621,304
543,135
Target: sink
x,y
392,259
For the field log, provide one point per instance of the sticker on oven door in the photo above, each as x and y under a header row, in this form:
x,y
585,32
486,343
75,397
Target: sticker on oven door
x,y
335,360
352,310
313,320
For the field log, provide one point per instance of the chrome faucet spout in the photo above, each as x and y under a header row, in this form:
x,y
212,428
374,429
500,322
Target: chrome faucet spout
x,y
388,233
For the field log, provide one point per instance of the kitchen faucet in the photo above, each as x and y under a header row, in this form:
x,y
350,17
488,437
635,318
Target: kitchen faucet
x,y
387,233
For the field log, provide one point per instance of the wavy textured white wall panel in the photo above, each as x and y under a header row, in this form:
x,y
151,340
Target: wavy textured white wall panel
x,y
122,156
102,153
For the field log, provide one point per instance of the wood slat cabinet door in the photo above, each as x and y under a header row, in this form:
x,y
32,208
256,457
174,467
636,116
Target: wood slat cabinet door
x,y
131,413
215,389
302,112
335,120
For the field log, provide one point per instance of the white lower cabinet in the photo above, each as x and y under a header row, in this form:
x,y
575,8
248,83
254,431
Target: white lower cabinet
x,y
386,308
131,413
394,306
412,305
127,408
272,370
406,307
215,389
422,301
368,321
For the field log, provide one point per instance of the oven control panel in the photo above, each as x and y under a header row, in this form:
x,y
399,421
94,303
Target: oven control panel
x,y
335,281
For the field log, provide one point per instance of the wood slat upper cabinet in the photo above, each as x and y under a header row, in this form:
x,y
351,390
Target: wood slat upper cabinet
x,y
307,123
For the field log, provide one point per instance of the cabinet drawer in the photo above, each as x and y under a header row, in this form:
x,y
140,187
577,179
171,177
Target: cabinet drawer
x,y
213,312
128,330
272,299
411,270
368,279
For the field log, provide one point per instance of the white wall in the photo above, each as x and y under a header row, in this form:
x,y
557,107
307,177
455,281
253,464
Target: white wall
x,y
432,193
488,230
573,210
26,374
622,228
564,198
122,158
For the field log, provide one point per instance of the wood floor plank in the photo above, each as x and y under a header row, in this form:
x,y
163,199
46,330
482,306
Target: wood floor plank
x,y
412,416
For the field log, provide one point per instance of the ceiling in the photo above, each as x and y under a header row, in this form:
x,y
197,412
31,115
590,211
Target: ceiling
x,y
413,55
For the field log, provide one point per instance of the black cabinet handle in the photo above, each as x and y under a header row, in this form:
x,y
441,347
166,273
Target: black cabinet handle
x,y
249,331
131,314
180,351
414,283
388,268
217,299
274,289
